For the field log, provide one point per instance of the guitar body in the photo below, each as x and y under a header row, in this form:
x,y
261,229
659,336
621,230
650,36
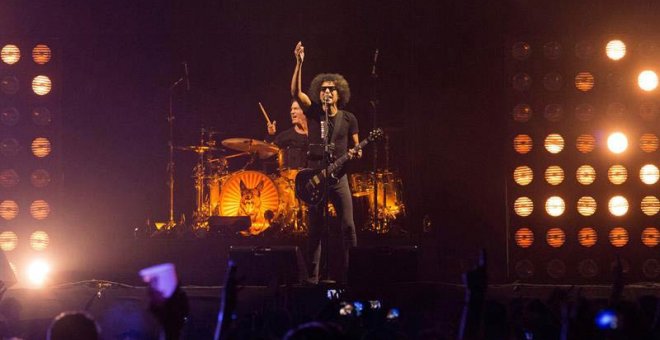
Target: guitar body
x,y
309,186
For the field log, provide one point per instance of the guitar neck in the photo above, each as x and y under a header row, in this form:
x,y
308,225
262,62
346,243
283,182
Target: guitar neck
x,y
343,159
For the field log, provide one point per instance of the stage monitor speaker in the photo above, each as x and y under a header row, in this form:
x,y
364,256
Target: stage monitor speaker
x,y
378,265
228,224
268,266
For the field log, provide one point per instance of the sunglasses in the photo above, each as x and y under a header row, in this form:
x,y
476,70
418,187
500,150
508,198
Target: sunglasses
x,y
331,88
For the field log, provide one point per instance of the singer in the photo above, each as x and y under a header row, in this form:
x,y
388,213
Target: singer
x,y
330,93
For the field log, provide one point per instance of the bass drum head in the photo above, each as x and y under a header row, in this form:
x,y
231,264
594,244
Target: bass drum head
x,y
253,194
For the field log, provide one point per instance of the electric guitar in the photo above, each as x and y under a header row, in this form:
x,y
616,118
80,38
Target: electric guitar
x,y
310,183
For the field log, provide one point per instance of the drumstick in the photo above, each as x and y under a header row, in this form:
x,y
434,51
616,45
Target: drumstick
x,y
264,112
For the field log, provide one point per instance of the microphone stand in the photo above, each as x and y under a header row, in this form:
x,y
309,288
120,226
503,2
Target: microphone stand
x,y
170,163
327,154
374,109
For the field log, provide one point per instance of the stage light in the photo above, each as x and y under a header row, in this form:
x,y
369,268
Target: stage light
x,y
42,116
8,240
553,81
522,113
615,49
586,174
9,116
651,268
618,237
584,81
586,206
41,85
555,206
587,237
41,147
584,50
524,237
523,206
9,85
585,143
552,50
522,144
588,268
556,268
10,54
649,174
647,80
618,205
650,237
553,112
522,82
8,210
523,175
37,272
8,178
40,178
648,142
554,143
39,240
585,112
555,237
521,51
554,175
524,269
616,110
41,54
39,209
617,142
650,205
607,319
9,147
648,110
617,174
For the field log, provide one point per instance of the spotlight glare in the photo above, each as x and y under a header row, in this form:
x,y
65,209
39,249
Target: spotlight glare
x,y
39,240
41,85
617,142
37,272
554,143
647,80
10,54
8,240
618,205
615,49
649,174
555,206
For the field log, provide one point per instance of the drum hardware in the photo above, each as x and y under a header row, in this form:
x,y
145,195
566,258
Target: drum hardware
x,y
262,149
388,201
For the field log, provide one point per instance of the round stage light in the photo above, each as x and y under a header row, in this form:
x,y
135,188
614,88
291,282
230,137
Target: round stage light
x,y
617,174
651,268
553,112
40,209
553,81
9,116
649,174
588,268
522,144
554,175
648,110
41,147
9,147
617,142
584,50
37,272
521,50
8,178
616,110
647,80
554,143
555,237
585,112
552,50
587,237
8,210
39,240
41,54
40,178
10,54
650,205
523,175
618,237
522,113
585,174
586,206
9,85
524,269
42,116
615,49
555,206
41,85
523,206
650,237
8,240
556,269
584,81
586,143
648,142
524,237
522,82
618,205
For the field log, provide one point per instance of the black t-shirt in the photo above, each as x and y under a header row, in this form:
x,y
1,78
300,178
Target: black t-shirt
x,y
293,147
343,138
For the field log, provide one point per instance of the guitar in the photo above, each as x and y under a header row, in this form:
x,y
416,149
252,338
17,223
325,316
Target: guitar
x,y
310,183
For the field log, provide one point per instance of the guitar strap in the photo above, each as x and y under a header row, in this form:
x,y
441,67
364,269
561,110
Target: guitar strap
x,y
339,120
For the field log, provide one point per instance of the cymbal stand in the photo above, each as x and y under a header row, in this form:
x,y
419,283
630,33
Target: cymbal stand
x,y
170,163
202,211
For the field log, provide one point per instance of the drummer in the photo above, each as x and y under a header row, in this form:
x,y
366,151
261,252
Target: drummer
x,y
293,141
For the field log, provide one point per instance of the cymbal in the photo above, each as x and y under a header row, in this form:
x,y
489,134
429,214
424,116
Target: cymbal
x,y
262,149
197,148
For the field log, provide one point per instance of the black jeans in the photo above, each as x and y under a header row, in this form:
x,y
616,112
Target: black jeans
x,y
339,195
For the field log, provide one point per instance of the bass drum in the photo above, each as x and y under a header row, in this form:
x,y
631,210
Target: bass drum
x,y
253,194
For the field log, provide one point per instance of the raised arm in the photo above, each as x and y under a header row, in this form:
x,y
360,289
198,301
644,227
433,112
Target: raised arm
x,y
296,82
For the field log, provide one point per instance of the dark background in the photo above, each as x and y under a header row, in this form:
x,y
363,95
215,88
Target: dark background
x,y
441,89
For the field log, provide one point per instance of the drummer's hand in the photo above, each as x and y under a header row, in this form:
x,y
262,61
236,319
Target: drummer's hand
x,y
272,128
299,52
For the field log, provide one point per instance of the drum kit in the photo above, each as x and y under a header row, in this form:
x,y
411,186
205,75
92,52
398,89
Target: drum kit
x,y
269,198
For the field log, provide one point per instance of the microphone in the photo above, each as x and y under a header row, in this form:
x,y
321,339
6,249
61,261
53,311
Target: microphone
x,y
373,67
185,69
327,97
324,130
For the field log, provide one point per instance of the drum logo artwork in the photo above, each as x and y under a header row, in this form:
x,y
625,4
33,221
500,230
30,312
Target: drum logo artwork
x,y
251,201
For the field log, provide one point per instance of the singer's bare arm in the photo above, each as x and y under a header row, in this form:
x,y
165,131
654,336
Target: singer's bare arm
x,y
296,82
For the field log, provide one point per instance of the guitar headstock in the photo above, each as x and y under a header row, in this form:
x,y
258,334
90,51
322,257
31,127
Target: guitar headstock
x,y
375,134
